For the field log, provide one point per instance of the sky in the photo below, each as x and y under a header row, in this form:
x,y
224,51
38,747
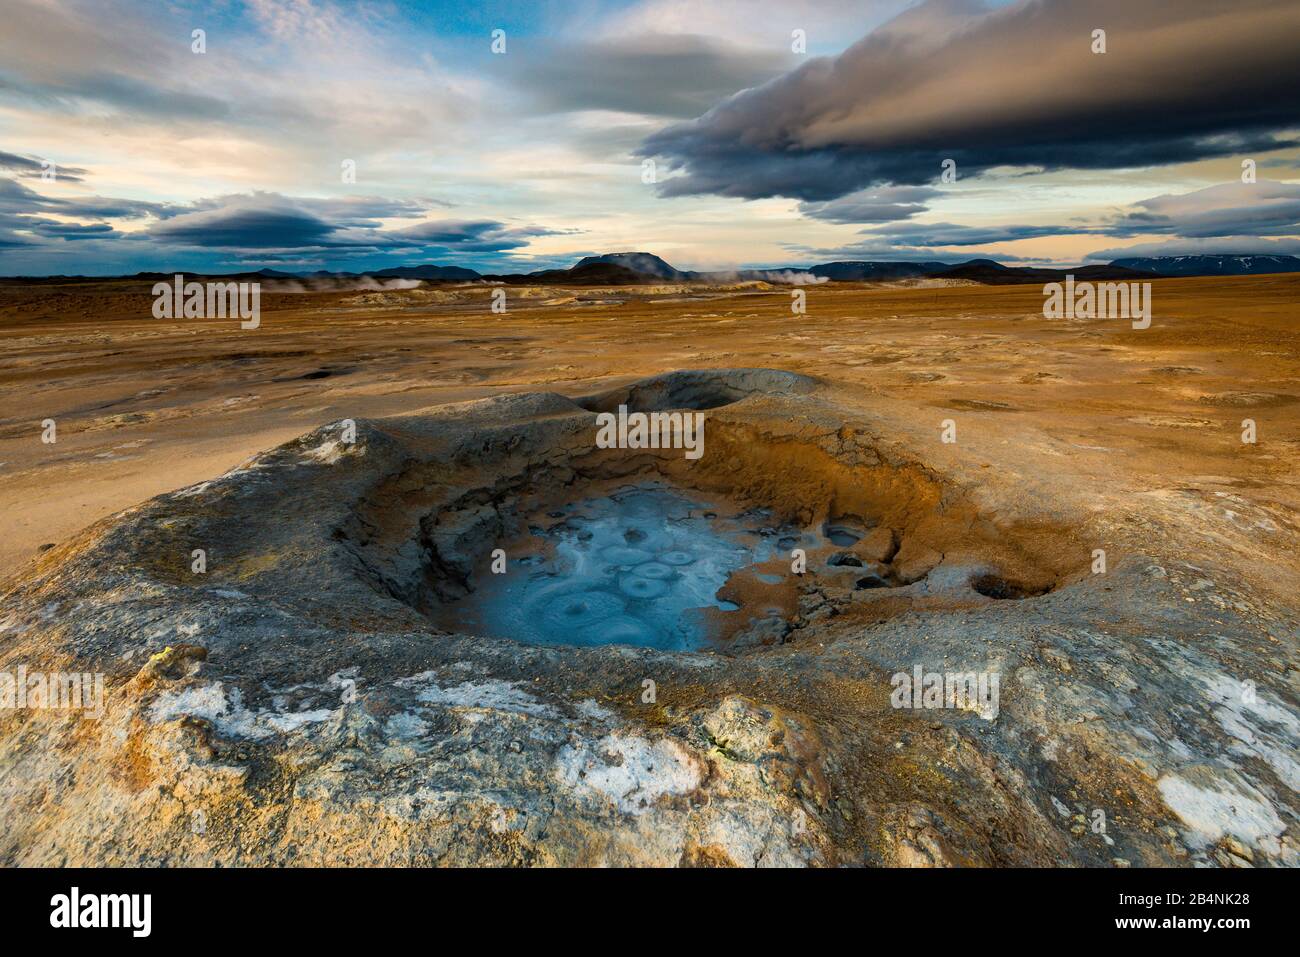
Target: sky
x,y
307,134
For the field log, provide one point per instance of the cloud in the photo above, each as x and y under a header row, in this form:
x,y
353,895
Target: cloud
x,y
272,222
1238,213
677,75
472,236
952,234
59,56
758,22
1228,245
302,79
53,229
884,251
25,221
1266,208
1013,86
255,227
33,166
883,204
243,225
352,211
17,199
1232,209
266,226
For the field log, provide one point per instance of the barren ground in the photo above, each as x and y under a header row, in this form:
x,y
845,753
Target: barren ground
x,y
1161,698
1071,408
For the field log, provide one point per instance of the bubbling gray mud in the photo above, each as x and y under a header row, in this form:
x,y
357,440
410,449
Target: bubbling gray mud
x,y
639,567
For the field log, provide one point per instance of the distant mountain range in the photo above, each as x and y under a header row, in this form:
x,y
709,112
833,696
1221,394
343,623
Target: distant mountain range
x,y
877,271
993,273
1212,265
634,268
630,268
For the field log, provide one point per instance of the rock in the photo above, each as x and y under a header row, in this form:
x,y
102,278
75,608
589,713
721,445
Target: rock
x,y
871,579
780,745
1226,859
764,632
914,563
1238,849
879,545
709,855
913,839
1057,659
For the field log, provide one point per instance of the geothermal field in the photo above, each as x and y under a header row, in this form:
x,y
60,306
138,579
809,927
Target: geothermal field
x,y
915,577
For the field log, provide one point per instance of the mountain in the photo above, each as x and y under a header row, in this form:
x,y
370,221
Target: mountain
x,y
1212,265
647,264
992,273
436,273
588,272
857,271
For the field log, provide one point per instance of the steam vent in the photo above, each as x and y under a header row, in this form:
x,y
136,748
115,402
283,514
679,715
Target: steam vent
x,y
474,636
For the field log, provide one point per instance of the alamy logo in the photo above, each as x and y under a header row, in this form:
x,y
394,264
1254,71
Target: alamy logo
x,y
58,691
962,691
103,910
655,430
208,300
1104,300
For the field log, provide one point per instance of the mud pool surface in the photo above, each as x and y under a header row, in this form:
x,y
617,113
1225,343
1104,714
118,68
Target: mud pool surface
x,y
642,566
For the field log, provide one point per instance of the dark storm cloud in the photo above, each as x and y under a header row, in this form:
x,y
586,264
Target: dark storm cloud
x,y
1013,86
670,75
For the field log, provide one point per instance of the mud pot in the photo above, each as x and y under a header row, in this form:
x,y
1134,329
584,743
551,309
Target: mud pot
x,y
472,636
